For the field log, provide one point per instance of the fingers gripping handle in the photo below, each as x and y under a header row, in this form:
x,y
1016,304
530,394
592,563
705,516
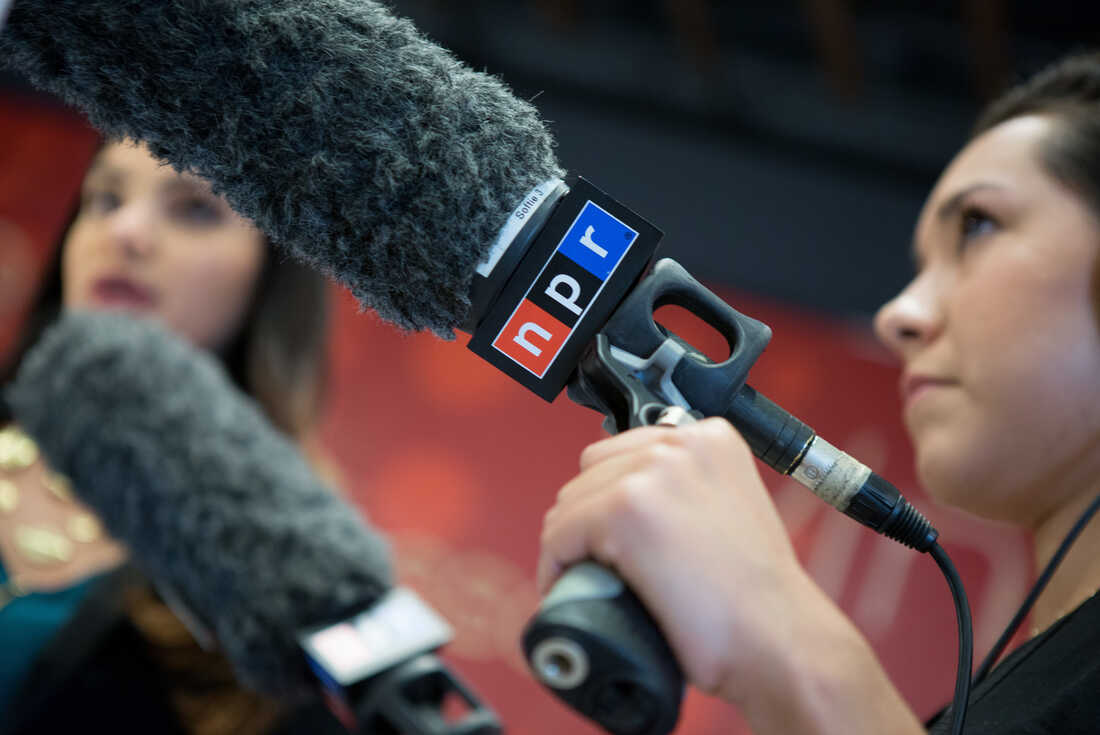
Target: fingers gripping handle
x,y
594,645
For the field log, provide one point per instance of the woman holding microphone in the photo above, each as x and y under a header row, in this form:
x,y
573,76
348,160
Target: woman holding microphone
x,y
999,342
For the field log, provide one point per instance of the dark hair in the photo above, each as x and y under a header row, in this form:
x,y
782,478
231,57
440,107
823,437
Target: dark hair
x,y
278,357
1068,91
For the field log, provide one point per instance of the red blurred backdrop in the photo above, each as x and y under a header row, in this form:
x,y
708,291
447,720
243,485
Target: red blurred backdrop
x,y
456,464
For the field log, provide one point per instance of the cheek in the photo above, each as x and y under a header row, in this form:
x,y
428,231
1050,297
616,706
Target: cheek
x,y
1025,323
1030,371
211,290
79,258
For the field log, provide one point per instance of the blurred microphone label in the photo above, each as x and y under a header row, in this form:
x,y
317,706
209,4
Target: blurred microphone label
x,y
572,278
399,627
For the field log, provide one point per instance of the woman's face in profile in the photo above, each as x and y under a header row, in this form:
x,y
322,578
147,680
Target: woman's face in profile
x,y
998,332
157,243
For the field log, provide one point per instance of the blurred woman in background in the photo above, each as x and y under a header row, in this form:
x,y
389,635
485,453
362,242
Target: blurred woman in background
x,y
84,639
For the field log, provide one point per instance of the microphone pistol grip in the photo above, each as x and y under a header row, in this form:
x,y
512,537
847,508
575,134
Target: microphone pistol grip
x,y
595,646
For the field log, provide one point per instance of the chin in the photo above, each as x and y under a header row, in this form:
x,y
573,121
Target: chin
x,y
949,476
942,488
957,481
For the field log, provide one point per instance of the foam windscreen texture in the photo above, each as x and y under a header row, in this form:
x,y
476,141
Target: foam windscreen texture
x,y
350,139
210,498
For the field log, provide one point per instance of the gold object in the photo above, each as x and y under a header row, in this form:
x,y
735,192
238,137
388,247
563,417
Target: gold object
x,y
11,590
17,450
43,545
59,485
84,527
9,496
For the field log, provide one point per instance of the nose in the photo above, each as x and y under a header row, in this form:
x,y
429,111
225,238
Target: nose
x,y
133,229
913,318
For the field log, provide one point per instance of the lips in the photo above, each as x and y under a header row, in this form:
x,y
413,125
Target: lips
x,y
122,292
913,386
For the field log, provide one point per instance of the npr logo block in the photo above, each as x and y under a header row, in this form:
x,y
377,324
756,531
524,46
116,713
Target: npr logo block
x,y
566,287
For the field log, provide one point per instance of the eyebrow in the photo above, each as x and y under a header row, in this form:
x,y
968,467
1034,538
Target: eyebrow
x,y
178,184
105,171
954,202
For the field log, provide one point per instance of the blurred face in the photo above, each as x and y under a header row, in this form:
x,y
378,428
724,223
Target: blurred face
x,y
998,333
153,242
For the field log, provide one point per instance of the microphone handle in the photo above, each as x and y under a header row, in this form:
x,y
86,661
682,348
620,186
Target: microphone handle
x,y
638,373
410,699
596,646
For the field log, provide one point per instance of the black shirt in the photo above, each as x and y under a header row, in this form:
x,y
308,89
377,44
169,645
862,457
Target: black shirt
x,y
97,675
1048,686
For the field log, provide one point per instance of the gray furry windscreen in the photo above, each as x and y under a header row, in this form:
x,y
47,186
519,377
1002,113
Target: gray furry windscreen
x,y
363,148
209,497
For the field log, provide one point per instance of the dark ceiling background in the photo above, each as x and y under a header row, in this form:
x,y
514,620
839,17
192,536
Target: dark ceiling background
x,y
784,146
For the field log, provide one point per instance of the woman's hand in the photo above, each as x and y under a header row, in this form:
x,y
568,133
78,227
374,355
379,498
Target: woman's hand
x,y
683,516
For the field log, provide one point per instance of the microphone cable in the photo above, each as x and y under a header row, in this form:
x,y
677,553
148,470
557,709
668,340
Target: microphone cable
x,y
966,638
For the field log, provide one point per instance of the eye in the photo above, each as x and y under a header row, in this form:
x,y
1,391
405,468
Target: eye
x,y
196,211
974,223
100,201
